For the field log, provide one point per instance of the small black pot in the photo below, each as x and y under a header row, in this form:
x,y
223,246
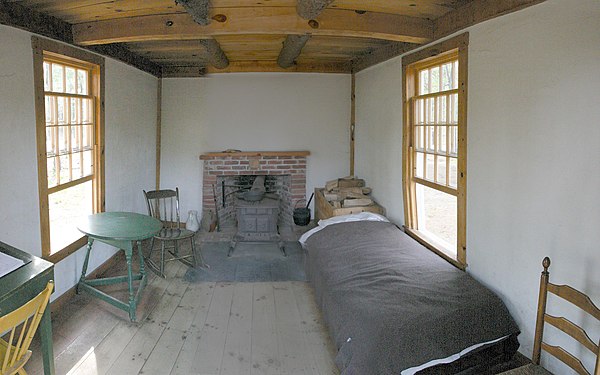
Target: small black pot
x,y
301,216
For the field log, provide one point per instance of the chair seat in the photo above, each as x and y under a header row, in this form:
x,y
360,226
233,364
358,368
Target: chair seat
x,y
174,234
529,369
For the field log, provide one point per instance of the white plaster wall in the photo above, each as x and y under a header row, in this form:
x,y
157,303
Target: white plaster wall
x,y
533,152
378,134
130,123
253,112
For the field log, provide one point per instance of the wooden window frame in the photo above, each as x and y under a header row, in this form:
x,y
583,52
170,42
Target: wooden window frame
x,y
459,45
47,48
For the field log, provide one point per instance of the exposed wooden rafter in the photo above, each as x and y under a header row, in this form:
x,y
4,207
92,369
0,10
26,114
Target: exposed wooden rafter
x,y
255,21
198,9
292,46
257,66
309,9
216,56
16,15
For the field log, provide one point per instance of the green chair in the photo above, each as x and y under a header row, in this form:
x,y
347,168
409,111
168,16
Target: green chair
x,y
164,205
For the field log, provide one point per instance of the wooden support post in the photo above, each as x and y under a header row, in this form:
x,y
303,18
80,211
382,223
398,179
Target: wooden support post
x,y
309,9
198,9
216,56
292,46
352,122
158,129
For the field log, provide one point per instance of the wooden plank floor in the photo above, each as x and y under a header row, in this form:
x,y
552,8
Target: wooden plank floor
x,y
194,328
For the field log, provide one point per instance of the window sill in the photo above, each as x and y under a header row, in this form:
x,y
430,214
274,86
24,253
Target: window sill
x,y
66,251
423,240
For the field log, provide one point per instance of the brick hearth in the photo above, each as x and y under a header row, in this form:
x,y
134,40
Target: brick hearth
x,y
218,165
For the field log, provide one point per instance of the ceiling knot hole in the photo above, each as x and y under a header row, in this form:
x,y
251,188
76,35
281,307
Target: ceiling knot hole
x,y
220,18
314,24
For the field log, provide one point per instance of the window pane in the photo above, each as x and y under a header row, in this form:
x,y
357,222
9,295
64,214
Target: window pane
x,y
52,177
453,172
430,138
419,164
441,170
454,108
441,109
435,80
74,105
424,82
87,111
420,138
87,163
82,82
447,76
441,139
70,80
57,78
65,170
47,80
436,213
453,146
455,72
67,208
87,136
61,110
429,167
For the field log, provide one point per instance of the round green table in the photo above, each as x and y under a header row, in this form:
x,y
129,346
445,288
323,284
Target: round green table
x,y
121,230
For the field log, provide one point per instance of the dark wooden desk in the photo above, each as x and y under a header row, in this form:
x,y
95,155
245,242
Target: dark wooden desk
x,y
20,286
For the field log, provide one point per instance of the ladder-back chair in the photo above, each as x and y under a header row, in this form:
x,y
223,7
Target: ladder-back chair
x,y
164,205
18,327
576,298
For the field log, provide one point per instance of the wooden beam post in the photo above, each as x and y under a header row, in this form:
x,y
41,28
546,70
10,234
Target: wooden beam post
x,y
216,56
292,46
198,9
310,9
352,122
158,129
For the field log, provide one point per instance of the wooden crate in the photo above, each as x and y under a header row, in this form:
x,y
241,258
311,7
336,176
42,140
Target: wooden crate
x,y
324,210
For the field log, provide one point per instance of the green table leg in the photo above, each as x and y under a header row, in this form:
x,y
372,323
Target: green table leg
x,y
132,302
46,338
85,264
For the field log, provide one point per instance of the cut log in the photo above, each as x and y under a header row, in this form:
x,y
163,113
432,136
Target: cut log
x,y
292,46
357,182
330,185
333,197
310,9
198,9
358,202
336,204
216,56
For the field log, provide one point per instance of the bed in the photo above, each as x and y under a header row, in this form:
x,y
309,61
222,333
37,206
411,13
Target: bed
x,y
394,307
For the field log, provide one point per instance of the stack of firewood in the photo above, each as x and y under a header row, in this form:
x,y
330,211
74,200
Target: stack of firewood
x,y
347,192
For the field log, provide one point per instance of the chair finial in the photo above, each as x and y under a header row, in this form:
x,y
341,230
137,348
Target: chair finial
x,y
546,264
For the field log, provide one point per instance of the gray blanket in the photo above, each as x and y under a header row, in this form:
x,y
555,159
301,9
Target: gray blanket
x,y
390,304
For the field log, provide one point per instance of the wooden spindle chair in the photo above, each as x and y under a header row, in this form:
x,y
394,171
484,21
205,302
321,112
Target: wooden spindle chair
x,y
164,205
576,298
18,327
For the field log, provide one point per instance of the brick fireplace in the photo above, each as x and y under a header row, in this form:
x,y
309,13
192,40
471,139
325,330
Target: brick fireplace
x,y
223,171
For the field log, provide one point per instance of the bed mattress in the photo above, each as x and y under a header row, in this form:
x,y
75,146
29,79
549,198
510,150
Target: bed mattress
x,y
394,307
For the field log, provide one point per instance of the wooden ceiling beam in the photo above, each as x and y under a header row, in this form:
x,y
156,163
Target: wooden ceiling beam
x,y
257,66
16,15
292,46
255,20
309,9
216,56
198,9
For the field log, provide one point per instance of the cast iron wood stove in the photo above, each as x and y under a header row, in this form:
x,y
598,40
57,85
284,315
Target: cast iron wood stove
x,y
257,217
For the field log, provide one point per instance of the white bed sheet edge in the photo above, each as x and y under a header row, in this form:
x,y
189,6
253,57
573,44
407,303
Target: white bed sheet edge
x,y
362,216
453,357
